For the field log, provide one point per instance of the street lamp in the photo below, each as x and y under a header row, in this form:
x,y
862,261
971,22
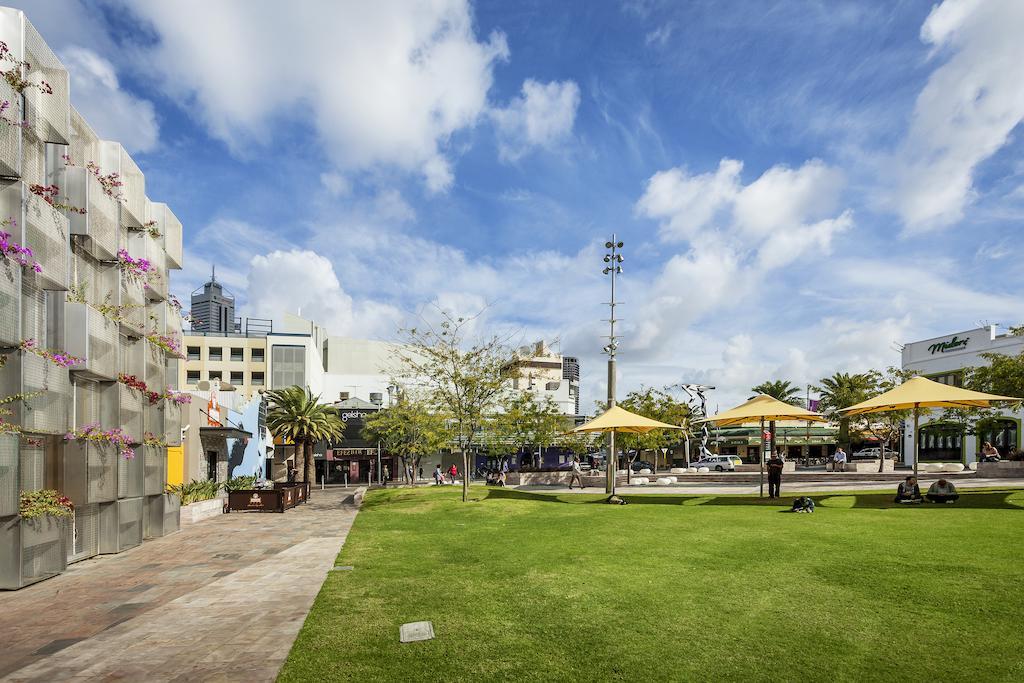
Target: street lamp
x,y
613,260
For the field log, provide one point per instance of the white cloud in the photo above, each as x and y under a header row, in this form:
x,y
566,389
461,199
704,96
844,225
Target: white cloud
x,y
965,113
660,35
112,112
541,116
686,203
383,83
336,184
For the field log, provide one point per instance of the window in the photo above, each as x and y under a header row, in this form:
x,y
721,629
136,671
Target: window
x,y
953,379
193,353
288,366
236,377
237,354
215,374
192,377
256,379
941,442
215,353
999,432
257,355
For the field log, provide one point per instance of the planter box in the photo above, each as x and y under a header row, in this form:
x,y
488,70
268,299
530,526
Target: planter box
x,y
84,542
161,516
156,469
131,474
277,499
97,228
200,510
10,299
1001,469
47,412
10,474
120,525
46,232
32,549
90,472
141,245
170,228
133,322
172,423
90,335
10,136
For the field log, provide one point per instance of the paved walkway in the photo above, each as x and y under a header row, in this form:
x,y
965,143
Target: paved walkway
x,y
222,600
788,487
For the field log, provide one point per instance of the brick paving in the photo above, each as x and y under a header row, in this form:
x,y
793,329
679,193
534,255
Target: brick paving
x,y
222,600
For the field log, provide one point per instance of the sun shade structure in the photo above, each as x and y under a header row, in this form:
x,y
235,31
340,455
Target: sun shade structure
x,y
921,392
617,419
758,409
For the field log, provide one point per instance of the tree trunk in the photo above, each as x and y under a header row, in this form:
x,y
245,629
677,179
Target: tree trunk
x,y
310,467
881,460
771,428
844,434
465,476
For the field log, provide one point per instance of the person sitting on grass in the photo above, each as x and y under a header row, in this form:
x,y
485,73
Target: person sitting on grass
x,y
909,492
802,504
942,491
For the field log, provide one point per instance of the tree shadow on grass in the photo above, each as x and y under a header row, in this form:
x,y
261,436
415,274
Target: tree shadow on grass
x,y
998,499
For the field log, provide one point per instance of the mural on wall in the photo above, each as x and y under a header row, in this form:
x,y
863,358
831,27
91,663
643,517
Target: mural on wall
x,y
246,456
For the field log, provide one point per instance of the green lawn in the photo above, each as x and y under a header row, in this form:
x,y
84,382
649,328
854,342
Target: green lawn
x,y
531,587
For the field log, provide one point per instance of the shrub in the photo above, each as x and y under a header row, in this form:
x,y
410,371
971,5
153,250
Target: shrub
x,y
239,483
195,491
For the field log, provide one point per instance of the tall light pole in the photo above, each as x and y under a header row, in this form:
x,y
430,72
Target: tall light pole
x,y
612,266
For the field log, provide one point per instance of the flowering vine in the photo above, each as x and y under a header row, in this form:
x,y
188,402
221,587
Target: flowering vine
x,y
133,382
14,76
169,345
51,195
58,358
4,106
175,304
34,504
117,313
111,183
12,251
7,427
177,397
135,269
151,439
115,437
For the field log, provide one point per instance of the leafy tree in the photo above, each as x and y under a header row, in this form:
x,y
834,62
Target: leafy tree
x,y
411,429
843,390
523,421
780,389
464,380
295,414
657,404
886,427
1003,376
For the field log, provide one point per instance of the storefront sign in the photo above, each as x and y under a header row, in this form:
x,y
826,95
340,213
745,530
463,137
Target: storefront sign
x,y
951,345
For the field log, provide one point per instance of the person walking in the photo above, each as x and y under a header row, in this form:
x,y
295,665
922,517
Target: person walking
x,y
438,475
775,465
421,472
453,472
839,460
386,477
577,473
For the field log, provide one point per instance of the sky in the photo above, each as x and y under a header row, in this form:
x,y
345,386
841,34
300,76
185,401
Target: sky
x,y
801,185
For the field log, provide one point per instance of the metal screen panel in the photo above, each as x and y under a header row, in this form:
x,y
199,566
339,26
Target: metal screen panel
x,y
99,223
85,533
156,316
134,314
172,424
154,420
172,513
102,473
33,159
129,522
132,403
10,303
156,470
155,368
32,466
48,412
84,146
288,365
43,547
46,232
172,326
103,339
131,474
9,477
134,190
172,239
10,136
50,114
133,357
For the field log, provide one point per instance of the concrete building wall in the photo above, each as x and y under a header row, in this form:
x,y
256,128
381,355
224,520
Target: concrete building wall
x,y
201,362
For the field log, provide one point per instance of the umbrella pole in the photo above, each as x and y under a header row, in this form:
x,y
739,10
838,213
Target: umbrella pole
x,y
760,456
917,440
611,465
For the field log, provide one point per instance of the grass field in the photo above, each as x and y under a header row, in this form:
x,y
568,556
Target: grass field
x,y
530,587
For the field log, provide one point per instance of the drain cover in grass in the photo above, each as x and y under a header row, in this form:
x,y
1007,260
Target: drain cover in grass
x,y
416,630
342,568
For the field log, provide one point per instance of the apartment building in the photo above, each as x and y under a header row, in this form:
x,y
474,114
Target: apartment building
x,y
88,335
550,375
237,359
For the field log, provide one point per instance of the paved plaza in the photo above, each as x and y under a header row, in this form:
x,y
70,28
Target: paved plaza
x,y
221,600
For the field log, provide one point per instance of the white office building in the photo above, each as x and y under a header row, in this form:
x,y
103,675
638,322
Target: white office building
x,y
943,359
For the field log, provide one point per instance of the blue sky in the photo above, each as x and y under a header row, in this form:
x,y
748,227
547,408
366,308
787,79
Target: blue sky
x,y
800,184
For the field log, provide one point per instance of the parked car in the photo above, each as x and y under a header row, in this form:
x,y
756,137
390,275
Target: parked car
x,y
872,454
642,464
719,463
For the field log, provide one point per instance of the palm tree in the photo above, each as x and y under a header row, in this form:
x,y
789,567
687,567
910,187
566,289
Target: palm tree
x,y
296,415
842,390
783,390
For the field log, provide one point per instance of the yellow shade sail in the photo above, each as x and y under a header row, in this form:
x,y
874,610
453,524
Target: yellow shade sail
x,y
762,407
921,392
617,419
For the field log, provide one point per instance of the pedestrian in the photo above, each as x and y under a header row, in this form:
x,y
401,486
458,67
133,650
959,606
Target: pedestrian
x,y
421,472
386,477
577,473
774,475
839,460
438,475
453,472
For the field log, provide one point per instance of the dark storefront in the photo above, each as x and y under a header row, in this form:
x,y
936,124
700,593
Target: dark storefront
x,y
353,459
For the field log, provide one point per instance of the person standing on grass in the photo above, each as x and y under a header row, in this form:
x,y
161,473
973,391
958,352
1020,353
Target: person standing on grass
x,y
774,475
839,460
577,473
453,472
438,475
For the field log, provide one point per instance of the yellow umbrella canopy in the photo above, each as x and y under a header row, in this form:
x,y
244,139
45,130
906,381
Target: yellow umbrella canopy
x,y
760,408
617,419
921,392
